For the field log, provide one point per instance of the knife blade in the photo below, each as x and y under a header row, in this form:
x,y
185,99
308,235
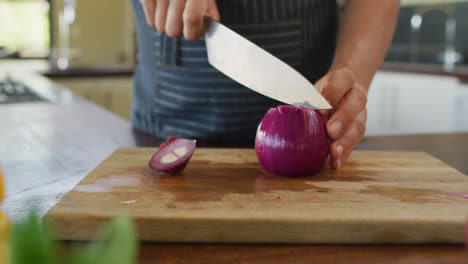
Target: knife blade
x,y
255,68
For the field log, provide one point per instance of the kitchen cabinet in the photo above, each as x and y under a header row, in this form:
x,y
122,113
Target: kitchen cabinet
x,y
91,32
408,103
113,93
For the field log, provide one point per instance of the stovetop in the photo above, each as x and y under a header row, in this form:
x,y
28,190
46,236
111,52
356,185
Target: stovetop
x,y
16,92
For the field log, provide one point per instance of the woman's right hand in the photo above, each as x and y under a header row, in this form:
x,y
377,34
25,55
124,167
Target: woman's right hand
x,y
179,18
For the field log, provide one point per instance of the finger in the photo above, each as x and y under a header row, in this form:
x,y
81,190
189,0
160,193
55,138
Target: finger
x,y
213,10
161,15
174,18
193,18
337,84
353,103
342,148
148,7
320,85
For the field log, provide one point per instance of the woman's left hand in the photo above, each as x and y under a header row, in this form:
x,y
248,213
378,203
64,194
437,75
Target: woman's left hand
x,y
347,120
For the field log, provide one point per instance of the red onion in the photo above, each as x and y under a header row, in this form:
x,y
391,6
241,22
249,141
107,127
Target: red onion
x,y
292,141
173,155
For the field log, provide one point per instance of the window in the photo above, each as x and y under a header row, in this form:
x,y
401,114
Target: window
x,y
25,28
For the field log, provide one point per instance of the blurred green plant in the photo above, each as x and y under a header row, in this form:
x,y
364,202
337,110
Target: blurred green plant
x,y
116,244
32,242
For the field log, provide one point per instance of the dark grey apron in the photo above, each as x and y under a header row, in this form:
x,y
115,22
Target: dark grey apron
x,y
177,93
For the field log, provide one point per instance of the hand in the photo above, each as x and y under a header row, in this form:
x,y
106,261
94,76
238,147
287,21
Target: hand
x,y
347,120
179,17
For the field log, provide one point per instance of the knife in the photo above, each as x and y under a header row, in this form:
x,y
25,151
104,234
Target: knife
x,y
255,68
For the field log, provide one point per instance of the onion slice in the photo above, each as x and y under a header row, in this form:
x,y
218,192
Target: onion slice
x,y
174,155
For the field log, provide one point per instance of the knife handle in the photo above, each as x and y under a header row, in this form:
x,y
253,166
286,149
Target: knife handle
x,y
207,20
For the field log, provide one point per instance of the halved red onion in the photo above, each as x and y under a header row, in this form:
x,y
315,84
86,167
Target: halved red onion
x,y
174,155
292,141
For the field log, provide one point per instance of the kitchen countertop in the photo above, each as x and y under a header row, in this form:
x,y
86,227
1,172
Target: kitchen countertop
x,y
42,66
49,147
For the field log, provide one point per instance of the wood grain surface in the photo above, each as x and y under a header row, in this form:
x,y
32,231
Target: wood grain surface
x,y
225,196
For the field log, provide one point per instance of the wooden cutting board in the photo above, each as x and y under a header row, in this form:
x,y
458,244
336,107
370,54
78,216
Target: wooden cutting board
x,y
224,195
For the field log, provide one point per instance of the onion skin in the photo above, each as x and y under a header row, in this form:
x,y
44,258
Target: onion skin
x,y
171,138
292,141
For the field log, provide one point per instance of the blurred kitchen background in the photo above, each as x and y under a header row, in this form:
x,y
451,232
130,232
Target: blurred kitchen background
x,y
90,47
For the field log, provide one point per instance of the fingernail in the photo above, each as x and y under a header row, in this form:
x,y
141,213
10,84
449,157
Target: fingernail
x,y
339,149
336,127
338,164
